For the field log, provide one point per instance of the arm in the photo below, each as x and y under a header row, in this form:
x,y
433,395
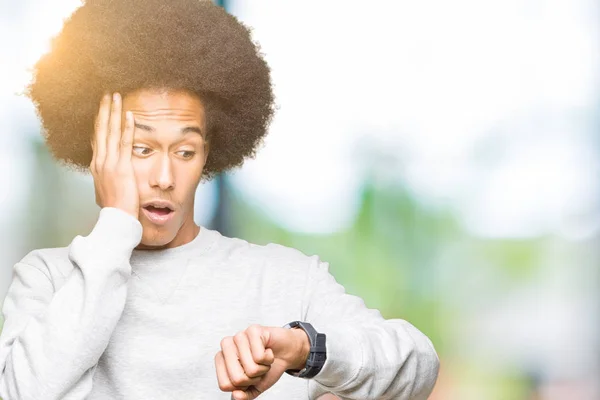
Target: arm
x,y
51,341
368,357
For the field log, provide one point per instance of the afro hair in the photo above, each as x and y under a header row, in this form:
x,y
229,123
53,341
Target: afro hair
x,y
126,45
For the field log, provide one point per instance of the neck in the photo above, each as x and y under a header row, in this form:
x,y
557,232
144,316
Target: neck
x,y
188,232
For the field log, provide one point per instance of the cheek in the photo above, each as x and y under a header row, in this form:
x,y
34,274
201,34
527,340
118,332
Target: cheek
x,y
187,178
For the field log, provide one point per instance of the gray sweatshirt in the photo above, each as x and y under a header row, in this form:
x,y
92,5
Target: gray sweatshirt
x,y
100,320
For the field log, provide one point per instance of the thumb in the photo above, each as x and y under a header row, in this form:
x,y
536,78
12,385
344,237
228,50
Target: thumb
x,y
285,343
267,380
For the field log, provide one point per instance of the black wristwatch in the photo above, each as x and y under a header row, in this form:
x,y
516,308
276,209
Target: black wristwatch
x,y
318,351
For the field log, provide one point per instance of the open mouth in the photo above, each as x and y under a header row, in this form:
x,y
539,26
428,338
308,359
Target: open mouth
x,y
158,213
158,210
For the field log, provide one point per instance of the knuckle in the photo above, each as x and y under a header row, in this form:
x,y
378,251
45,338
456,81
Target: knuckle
x,y
254,329
253,370
238,337
239,380
225,341
264,358
261,359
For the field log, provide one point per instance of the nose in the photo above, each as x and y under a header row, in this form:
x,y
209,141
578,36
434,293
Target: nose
x,y
162,174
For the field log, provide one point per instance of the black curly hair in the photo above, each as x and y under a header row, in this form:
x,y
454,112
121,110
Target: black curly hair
x,y
126,45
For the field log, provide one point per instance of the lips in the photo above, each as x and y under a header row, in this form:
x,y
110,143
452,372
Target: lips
x,y
159,211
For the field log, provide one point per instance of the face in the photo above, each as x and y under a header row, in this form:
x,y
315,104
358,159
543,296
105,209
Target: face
x,y
169,153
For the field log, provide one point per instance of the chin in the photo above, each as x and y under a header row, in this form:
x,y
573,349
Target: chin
x,y
152,243
156,237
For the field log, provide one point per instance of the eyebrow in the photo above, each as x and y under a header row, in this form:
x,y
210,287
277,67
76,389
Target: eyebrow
x,y
185,130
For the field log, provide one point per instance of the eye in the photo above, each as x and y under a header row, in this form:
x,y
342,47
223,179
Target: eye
x,y
141,150
186,154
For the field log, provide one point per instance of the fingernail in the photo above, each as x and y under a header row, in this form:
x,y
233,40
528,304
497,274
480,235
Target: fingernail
x,y
116,96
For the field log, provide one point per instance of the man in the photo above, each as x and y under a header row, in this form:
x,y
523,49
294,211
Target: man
x,y
150,305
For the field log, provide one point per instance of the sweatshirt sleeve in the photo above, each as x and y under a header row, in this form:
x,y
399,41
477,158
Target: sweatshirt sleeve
x,y
368,357
53,338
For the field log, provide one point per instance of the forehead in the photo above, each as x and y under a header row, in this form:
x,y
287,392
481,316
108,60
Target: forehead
x,y
157,105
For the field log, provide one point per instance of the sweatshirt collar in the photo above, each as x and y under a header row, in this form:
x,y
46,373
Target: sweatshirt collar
x,y
202,243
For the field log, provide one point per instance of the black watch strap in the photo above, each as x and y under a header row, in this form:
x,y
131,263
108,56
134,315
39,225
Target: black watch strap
x,y
318,351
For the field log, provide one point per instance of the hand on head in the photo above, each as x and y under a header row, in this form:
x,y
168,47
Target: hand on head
x,y
111,167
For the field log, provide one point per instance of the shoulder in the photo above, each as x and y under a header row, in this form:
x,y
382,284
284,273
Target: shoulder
x,y
271,254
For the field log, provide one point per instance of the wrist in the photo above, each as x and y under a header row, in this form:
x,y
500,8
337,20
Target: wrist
x,y
302,349
308,363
